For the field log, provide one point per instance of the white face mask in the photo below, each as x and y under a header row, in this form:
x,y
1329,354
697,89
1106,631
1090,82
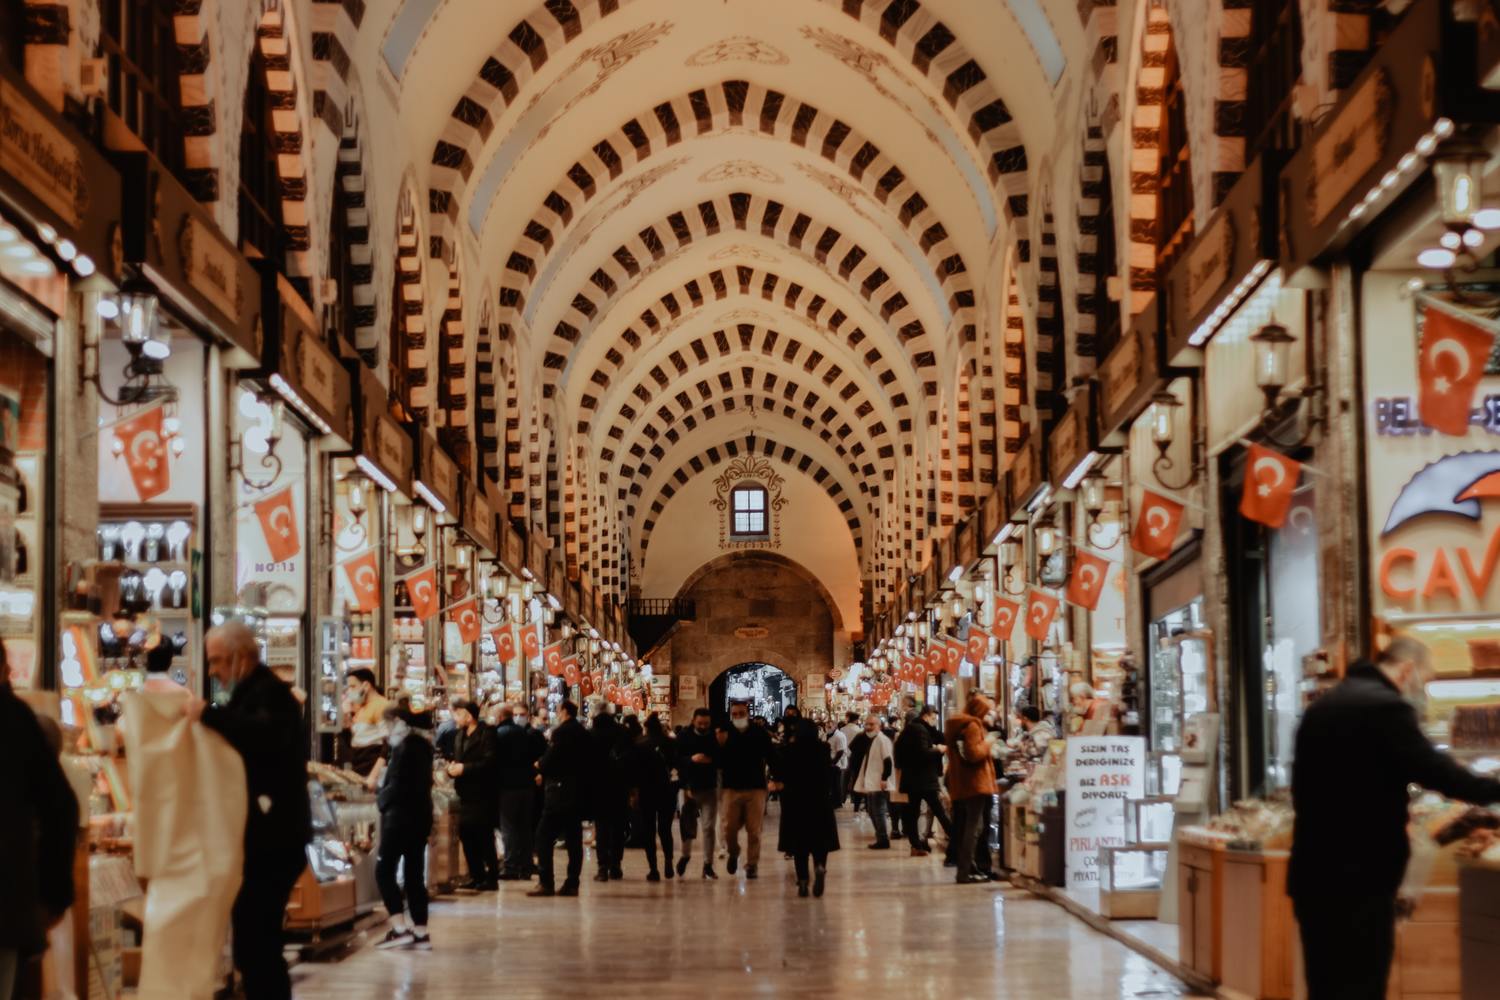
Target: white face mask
x,y
741,724
520,720
399,731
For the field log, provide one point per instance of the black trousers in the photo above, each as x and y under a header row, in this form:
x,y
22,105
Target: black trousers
x,y
564,822
914,801
517,822
257,915
476,834
655,820
968,829
609,836
800,858
409,851
1347,944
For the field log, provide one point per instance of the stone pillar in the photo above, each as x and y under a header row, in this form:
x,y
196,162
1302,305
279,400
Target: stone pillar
x,y
74,489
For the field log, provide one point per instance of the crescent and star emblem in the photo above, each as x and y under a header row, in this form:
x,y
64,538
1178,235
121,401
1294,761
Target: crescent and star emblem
x,y
1157,524
1453,349
1278,473
281,521
1088,576
364,578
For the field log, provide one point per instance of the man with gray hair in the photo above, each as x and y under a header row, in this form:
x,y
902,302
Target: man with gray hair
x,y
256,712
1358,750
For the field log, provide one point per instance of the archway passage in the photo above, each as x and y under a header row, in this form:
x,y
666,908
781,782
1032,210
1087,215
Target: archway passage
x,y
765,687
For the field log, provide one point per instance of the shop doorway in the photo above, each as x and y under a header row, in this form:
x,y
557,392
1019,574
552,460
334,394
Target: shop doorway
x,y
766,687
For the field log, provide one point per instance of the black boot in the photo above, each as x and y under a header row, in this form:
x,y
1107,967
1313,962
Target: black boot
x,y
802,889
820,876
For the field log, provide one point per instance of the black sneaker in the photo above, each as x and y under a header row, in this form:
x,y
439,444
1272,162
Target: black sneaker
x,y
820,875
394,939
653,876
682,864
616,874
543,890
568,889
603,876
420,942
733,864
668,872
880,845
802,890
750,871
709,873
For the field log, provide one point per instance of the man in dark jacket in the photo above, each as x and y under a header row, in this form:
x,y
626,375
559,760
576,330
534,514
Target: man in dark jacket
x,y
919,755
697,751
405,802
563,772
744,754
1358,748
475,774
611,793
517,749
38,833
262,720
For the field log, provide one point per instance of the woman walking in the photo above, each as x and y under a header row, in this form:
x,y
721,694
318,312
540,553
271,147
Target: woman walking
x,y
656,796
809,831
405,801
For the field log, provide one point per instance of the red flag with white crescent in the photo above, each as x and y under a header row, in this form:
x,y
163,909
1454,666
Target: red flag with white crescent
x,y
1454,353
1004,623
585,684
977,646
422,591
1270,480
553,656
145,452
937,658
363,574
953,655
570,671
465,614
1086,585
1156,528
531,641
505,642
1040,609
911,670
278,522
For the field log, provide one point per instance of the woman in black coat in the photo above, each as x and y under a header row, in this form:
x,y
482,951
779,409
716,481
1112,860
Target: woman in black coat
x,y
405,802
809,830
656,796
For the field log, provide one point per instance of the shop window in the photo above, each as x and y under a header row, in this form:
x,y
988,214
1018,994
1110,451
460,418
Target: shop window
x,y
139,43
749,512
1275,65
261,231
1106,266
1174,213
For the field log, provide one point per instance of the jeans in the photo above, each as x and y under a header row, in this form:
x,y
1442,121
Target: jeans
x,y
915,799
968,825
878,805
799,861
409,850
743,808
559,821
477,837
1347,944
256,918
655,817
517,821
707,800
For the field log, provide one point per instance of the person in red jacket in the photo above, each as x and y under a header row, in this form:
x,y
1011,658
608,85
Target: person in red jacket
x,y
971,779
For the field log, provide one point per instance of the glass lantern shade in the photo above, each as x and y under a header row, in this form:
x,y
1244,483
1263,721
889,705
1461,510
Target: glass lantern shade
x,y
1458,169
1164,407
1273,345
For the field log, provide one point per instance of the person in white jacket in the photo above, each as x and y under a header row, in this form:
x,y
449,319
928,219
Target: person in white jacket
x,y
876,762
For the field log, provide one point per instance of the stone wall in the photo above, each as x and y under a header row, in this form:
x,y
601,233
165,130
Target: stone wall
x,y
752,607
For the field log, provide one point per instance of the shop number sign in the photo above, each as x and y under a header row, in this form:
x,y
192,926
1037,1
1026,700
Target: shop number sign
x,y
1103,773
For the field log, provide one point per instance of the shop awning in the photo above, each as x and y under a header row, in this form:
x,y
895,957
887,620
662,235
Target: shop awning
x,y
296,362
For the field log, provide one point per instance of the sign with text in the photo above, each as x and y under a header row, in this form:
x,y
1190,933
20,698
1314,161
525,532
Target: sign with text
x,y
1103,772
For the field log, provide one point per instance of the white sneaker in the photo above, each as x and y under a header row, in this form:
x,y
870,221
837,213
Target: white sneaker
x,y
394,939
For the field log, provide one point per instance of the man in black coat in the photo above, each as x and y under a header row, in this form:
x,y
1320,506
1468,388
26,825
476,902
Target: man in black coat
x,y
517,749
262,720
405,802
1358,748
563,771
38,833
919,755
475,773
697,753
611,792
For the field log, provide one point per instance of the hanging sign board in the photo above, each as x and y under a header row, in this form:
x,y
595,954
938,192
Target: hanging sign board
x,y
1103,773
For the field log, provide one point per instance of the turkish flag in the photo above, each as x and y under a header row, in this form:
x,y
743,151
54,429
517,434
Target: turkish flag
x,y
570,670
1270,480
937,658
911,670
1156,528
421,590
953,656
531,641
1087,582
586,684
553,655
505,642
1454,353
978,645
363,574
145,453
466,615
278,522
1006,613
1040,608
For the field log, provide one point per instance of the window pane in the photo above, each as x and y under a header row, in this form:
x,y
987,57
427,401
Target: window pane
x,y
758,523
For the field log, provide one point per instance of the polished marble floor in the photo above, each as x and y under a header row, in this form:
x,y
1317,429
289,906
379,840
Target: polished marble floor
x,y
890,925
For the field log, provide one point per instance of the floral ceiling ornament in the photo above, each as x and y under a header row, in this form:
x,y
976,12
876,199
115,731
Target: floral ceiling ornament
x,y
609,57
738,48
734,169
749,470
741,252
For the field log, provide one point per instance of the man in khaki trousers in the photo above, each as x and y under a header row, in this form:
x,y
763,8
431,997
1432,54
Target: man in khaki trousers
x,y
744,752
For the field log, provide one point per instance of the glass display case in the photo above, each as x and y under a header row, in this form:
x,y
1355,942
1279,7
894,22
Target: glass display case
x,y
1148,821
334,643
1130,881
1181,681
1163,773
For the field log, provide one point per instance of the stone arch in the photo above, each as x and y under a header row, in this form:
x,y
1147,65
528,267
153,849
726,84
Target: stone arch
x,y
351,199
1050,346
774,558
1015,422
1098,257
1145,158
455,369
409,358
198,89
335,31
487,395
288,138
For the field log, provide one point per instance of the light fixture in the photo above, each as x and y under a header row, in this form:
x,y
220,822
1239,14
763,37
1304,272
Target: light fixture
x,y
1093,493
1164,407
1011,555
430,497
1273,344
958,608
1487,218
419,527
1437,258
1046,536
133,311
263,435
373,473
1458,168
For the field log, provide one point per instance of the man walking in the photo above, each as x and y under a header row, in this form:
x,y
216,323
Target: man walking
x,y
262,720
873,778
474,773
404,798
562,771
744,753
1358,749
919,755
517,749
697,755
611,798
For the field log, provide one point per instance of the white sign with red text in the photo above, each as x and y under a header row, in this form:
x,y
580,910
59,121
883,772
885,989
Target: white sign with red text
x,y
1103,772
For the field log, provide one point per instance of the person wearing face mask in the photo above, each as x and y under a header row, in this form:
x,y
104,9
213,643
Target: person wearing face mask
x,y
744,752
367,725
517,748
872,777
809,831
475,772
971,781
1358,749
262,720
697,751
404,797
563,771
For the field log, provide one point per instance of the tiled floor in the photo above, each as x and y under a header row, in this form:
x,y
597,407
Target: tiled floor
x,y
890,925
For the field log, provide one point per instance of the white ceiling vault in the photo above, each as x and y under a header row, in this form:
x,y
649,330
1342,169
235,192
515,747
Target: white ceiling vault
x,y
707,220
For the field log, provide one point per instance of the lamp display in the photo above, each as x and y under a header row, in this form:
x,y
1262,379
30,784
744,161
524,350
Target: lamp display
x,y
261,435
1458,169
133,312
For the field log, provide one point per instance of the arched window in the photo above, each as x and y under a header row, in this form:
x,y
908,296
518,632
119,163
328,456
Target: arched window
x,y
1174,217
749,510
139,43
